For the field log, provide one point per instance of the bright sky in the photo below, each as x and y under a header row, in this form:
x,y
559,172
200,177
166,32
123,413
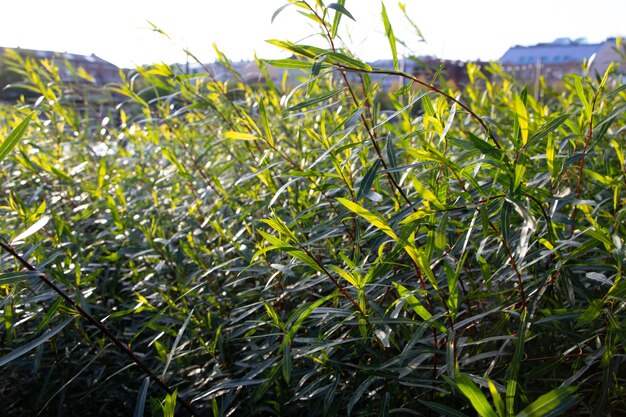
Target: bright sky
x,y
118,31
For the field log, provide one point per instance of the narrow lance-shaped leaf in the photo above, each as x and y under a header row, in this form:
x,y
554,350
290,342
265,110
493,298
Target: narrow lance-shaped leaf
x,y
303,50
346,275
560,398
273,315
550,127
277,11
514,366
298,317
169,407
314,100
413,302
266,124
13,277
292,250
411,22
578,86
390,36
443,410
417,307
340,9
391,156
522,118
14,137
176,342
239,136
345,60
141,398
288,63
373,219
34,343
497,399
34,228
475,395
368,180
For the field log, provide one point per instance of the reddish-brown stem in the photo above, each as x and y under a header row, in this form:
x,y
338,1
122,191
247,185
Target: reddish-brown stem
x,y
582,159
429,87
368,129
335,282
106,332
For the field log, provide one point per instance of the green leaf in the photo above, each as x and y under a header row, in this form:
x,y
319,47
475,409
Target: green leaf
x,y
140,404
390,36
417,30
14,137
514,366
337,18
13,277
16,353
427,194
522,118
298,317
591,313
287,363
34,228
312,101
578,86
475,395
442,409
345,60
391,156
618,290
280,226
289,63
371,218
562,396
341,10
303,50
277,11
549,127
239,136
292,250
339,7
179,336
413,302
266,123
346,275
497,399
273,315
453,288
169,406
368,180
358,393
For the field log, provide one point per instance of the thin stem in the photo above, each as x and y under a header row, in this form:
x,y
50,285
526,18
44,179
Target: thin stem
x,y
429,87
106,332
582,159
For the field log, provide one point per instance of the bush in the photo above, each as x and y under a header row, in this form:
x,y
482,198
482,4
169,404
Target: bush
x,y
305,253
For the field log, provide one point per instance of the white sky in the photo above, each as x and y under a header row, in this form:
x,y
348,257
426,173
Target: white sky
x,y
118,31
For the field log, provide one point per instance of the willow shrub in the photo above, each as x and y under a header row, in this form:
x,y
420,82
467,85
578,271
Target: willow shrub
x,y
299,251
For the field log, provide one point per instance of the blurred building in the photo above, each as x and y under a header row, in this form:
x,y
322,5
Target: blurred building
x,y
84,73
555,59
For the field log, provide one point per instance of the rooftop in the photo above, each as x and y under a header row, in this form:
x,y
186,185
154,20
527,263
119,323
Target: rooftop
x,y
560,51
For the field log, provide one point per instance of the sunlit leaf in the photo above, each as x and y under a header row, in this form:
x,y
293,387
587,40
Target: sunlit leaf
x,y
31,230
390,36
371,218
14,137
465,384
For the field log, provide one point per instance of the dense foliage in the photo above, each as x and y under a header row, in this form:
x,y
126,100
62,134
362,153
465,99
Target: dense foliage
x,y
299,251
